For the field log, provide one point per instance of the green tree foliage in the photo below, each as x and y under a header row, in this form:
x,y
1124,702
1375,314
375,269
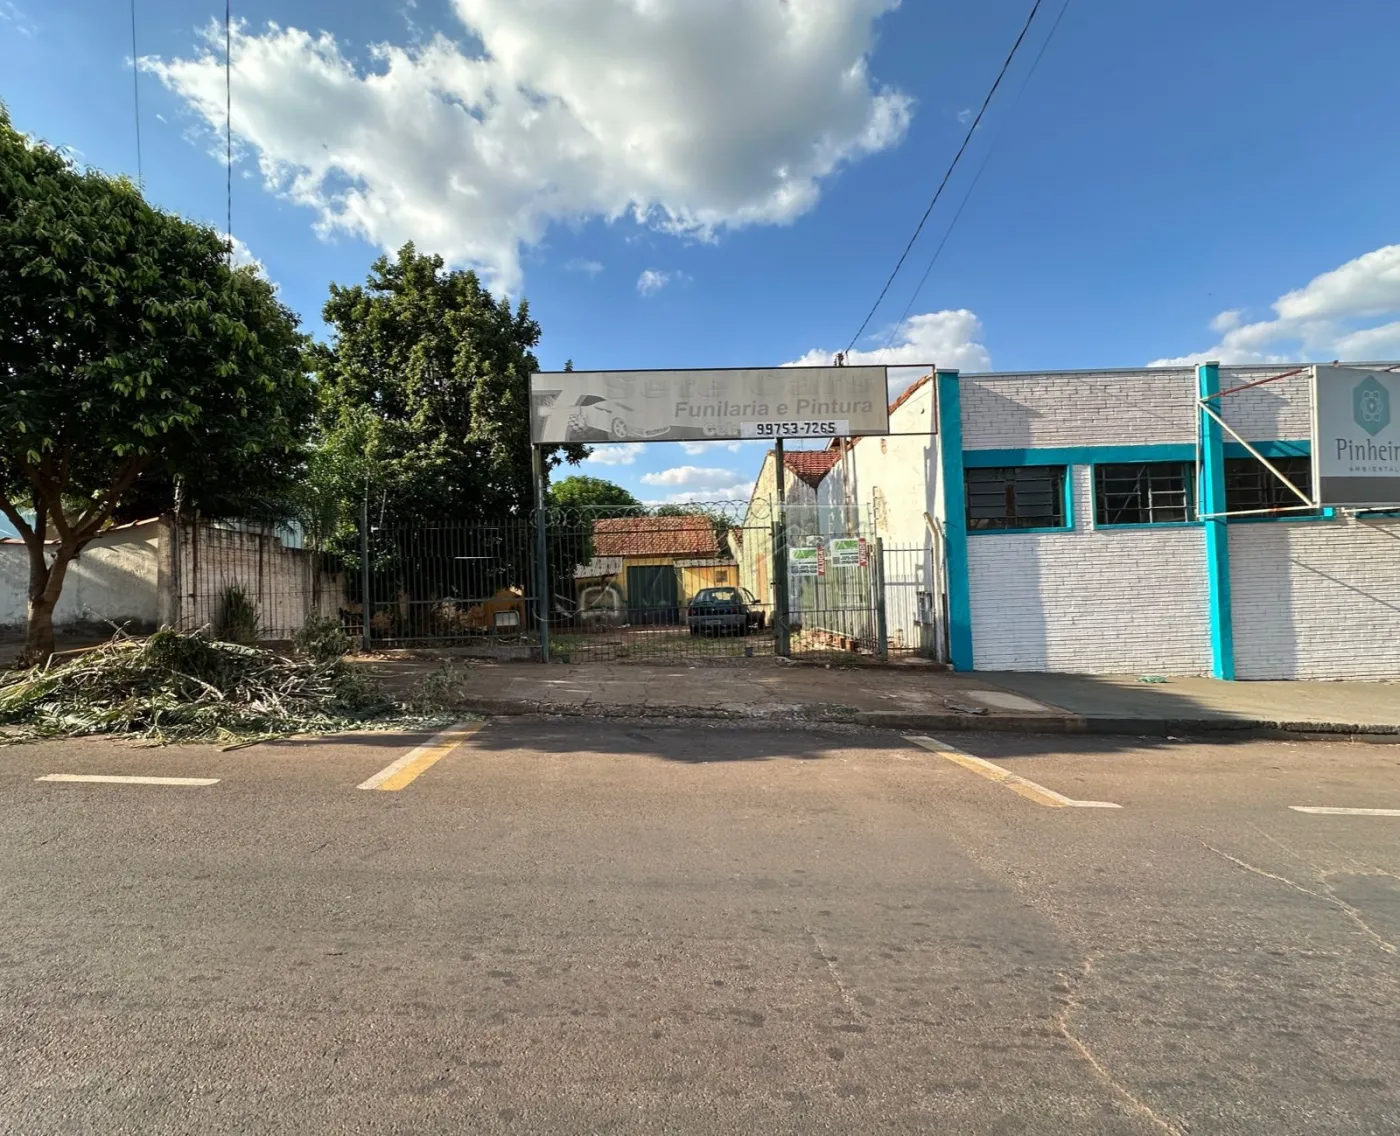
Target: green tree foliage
x,y
594,496
131,355
575,503
425,397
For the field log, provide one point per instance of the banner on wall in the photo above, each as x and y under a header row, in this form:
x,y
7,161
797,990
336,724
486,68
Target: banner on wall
x,y
1356,437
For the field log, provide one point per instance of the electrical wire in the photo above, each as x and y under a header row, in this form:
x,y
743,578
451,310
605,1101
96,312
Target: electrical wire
x,y
228,121
1015,47
899,323
136,98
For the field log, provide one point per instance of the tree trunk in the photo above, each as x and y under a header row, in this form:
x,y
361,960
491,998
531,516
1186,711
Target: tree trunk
x,y
45,584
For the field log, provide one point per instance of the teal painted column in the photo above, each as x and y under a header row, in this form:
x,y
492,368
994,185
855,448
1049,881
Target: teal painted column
x,y
953,493
1212,498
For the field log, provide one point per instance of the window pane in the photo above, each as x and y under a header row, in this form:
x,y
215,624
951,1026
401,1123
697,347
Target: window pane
x,y
1016,497
1250,486
1144,493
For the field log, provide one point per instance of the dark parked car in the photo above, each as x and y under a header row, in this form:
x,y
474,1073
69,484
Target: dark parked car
x,y
725,609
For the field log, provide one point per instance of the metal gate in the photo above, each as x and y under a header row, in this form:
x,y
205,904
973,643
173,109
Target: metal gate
x,y
683,584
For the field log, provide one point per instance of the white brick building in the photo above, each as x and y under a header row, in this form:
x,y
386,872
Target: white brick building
x,y
1067,510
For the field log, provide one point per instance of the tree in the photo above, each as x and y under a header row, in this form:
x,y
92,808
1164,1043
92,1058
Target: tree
x,y
595,497
425,395
131,355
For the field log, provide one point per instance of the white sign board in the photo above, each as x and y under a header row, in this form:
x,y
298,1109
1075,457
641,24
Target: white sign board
x,y
805,562
848,552
683,406
1356,437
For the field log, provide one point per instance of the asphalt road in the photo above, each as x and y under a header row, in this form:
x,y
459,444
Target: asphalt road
x,y
568,927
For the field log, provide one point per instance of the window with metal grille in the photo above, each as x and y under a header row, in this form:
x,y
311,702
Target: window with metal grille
x,y
1143,493
1016,497
1249,486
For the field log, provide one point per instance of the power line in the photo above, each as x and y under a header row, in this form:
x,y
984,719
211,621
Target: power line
x,y
136,97
976,178
952,166
228,121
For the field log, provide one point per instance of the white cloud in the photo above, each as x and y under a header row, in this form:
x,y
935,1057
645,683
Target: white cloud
x,y
946,339
692,118
694,478
624,454
1226,321
18,19
695,449
652,281
1331,317
243,255
965,115
587,267
1371,343
739,491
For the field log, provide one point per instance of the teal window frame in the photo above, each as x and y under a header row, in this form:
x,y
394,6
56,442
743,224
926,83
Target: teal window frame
x,y
1066,488
1188,472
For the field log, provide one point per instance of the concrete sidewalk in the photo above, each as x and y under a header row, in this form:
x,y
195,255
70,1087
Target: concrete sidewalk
x,y
905,698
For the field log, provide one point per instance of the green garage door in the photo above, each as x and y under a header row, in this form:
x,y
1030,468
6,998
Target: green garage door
x,y
652,594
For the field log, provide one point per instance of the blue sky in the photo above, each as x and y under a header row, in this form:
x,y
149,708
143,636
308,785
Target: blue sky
x,y
730,183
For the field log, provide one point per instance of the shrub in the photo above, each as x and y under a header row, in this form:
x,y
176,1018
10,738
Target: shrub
x,y
321,639
238,620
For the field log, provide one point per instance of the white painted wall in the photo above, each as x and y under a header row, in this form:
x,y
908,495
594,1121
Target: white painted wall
x,y
123,578
112,581
894,479
1316,599
1080,408
1090,601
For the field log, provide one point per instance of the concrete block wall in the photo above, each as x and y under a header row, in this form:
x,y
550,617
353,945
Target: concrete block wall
x,y
1079,408
125,577
1090,601
1279,411
286,584
1316,599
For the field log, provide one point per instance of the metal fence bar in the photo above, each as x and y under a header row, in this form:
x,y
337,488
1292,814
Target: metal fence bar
x,y
882,638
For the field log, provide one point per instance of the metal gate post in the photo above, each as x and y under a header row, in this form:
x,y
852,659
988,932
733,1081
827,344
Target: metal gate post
x,y
364,573
541,551
882,629
782,642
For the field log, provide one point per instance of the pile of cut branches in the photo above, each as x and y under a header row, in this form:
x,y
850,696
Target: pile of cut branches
x,y
181,687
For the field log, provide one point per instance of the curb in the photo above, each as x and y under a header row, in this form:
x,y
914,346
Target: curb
x,y
900,720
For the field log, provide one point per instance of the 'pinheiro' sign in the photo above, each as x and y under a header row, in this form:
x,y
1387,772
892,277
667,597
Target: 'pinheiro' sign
x,y
1356,437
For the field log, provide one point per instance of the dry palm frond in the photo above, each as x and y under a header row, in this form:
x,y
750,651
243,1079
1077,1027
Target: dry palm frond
x,y
177,687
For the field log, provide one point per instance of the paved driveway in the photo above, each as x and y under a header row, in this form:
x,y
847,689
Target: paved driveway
x,y
575,927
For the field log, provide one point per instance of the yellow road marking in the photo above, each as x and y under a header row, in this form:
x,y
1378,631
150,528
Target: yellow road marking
x,y
406,769
1016,783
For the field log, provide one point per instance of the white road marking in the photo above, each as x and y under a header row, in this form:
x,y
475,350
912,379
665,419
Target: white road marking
x,y
1013,781
107,779
1324,810
402,772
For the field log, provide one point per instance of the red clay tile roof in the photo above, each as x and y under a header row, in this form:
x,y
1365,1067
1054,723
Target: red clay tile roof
x,y
655,536
909,392
810,465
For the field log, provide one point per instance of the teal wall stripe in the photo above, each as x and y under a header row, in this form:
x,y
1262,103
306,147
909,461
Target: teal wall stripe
x,y
1078,455
1212,495
950,480
1103,455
